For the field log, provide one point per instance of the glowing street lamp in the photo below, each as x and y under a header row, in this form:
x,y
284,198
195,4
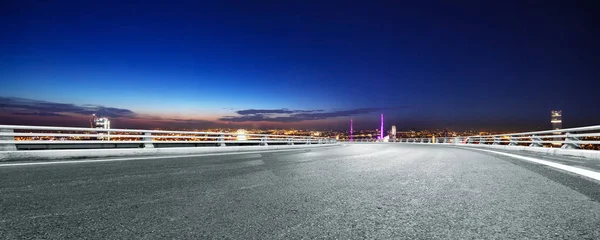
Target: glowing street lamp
x,y
241,135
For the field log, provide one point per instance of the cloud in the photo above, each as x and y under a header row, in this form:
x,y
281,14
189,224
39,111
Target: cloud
x,y
22,106
273,111
43,114
344,113
35,112
258,118
252,115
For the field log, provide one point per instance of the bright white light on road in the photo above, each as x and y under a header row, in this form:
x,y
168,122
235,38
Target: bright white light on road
x,y
241,135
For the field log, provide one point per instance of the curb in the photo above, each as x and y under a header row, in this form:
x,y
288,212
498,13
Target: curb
x,y
36,155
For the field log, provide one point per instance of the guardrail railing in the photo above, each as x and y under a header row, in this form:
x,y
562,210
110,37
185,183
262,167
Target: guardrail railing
x,y
14,137
568,138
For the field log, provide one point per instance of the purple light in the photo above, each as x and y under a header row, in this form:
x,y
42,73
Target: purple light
x,y
381,131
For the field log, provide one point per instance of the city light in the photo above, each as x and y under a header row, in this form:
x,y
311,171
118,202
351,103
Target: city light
x,y
241,135
381,130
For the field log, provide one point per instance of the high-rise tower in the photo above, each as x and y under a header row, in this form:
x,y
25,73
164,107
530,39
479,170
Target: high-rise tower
x,y
381,128
351,130
556,119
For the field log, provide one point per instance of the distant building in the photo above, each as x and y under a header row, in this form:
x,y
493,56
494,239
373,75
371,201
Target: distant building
x,y
101,123
556,119
393,132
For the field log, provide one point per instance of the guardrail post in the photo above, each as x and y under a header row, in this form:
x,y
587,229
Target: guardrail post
x,y
513,141
496,140
148,137
469,140
482,140
290,141
222,140
457,140
421,140
320,141
535,141
263,141
445,140
308,141
570,143
7,146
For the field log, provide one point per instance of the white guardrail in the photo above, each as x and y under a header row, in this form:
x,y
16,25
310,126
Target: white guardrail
x,y
15,137
569,138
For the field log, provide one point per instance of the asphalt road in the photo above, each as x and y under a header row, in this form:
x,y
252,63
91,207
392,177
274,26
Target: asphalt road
x,y
374,191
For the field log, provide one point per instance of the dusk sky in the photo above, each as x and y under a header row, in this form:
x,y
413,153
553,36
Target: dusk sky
x,y
498,65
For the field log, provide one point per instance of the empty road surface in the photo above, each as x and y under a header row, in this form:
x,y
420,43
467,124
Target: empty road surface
x,y
373,191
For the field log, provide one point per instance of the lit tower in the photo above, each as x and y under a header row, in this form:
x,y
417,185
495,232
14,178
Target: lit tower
x,y
556,119
393,132
381,128
351,130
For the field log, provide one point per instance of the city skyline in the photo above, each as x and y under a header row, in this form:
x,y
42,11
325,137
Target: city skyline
x,y
312,66
30,110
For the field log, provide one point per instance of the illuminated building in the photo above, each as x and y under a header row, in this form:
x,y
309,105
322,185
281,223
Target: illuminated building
x,y
102,123
393,132
351,130
381,128
556,119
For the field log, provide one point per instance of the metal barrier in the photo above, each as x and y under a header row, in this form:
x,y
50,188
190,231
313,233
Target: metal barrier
x,y
569,138
15,137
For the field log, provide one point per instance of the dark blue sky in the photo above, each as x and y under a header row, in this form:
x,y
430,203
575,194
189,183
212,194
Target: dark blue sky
x,y
500,65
